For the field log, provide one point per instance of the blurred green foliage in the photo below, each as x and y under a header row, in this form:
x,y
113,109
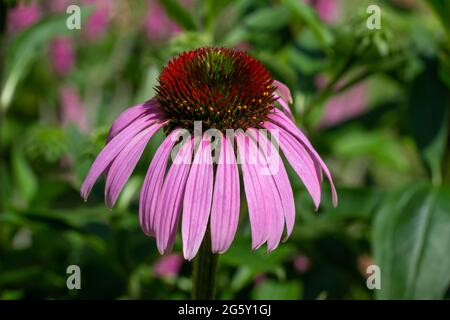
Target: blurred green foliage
x,y
390,160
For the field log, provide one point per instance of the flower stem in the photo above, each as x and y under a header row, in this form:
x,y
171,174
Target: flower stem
x,y
204,271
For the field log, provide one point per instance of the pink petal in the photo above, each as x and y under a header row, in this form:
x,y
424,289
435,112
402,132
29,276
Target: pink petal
x,y
280,119
151,188
110,151
131,114
283,97
124,164
226,199
283,91
264,206
197,199
285,107
172,193
282,183
300,160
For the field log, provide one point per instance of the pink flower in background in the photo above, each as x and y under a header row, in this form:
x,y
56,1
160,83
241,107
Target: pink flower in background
x,y
344,106
60,6
168,266
22,16
158,25
191,88
243,46
62,55
364,261
98,21
72,109
259,279
301,263
328,10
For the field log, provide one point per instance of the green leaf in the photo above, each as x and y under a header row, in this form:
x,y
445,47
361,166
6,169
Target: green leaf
x,y
268,19
429,103
307,15
358,143
442,10
179,14
411,242
22,52
258,261
24,176
275,290
149,82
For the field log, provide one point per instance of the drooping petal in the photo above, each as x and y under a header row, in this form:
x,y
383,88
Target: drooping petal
x,y
283,91
110,151
284,106
170,200
266,168
124,164
280,119
253,192
281,179
226,199
151,188
197,199
264,206
300,160
124,119
283,96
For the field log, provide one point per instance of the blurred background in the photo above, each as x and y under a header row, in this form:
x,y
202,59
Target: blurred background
x,y
374,102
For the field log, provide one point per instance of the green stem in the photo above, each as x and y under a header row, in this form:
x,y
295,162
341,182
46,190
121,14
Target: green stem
x,y
329,88
204,271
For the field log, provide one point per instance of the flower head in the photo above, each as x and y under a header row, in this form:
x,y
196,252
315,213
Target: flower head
x,y
22,16
226,91
168,266
344,106
71,108
328,10
158,25
98,21
62,55
223,88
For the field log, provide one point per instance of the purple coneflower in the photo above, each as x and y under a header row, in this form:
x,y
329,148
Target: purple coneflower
x,y
168,266
62,55
158,25
98,21
328,10
302,263
226,90
71,108
343,106
22,16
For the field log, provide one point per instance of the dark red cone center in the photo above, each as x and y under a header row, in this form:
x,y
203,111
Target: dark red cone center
x,y
223,88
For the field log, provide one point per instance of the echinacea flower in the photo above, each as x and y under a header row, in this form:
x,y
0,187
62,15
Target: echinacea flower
x,y
302,263
72,110
158,25
343,106
168,266
98,21
62,55
22,16
328,10
228,91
